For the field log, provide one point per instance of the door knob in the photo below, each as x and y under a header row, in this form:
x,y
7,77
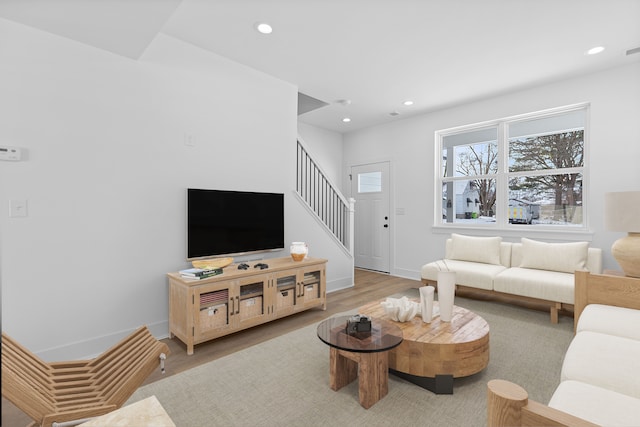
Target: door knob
x,y
386,226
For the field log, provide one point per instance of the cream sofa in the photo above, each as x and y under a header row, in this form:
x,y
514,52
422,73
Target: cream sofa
x,y
599,382
530,271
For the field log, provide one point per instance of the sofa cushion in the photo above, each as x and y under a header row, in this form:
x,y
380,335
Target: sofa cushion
x,y
472,274
607,319
605,361
505,252
541,284
476,249
594,260
562,257
595,404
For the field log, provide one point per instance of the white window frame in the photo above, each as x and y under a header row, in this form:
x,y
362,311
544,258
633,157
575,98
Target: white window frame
x,y
502,181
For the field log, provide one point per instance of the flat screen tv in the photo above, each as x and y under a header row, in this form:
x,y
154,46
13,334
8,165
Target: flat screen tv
x,y
233,222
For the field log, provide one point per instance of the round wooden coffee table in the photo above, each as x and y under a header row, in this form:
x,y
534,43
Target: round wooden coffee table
x,y
433,354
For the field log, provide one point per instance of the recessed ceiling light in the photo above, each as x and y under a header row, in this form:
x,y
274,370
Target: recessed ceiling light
x,y
595,50
407,103
346,120
264,28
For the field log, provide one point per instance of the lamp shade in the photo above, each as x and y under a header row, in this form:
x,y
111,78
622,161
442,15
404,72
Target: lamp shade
x,y
622,211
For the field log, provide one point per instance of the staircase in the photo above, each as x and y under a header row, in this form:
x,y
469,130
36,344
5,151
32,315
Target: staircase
x,y
324,199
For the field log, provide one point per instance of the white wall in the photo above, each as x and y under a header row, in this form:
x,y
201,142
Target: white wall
x,y
614,150
105,178
326,147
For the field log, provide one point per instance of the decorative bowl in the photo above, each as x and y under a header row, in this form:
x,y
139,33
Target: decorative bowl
x,y
400,309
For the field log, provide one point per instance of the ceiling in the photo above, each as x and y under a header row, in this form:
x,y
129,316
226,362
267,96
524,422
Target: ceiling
x,y
364,58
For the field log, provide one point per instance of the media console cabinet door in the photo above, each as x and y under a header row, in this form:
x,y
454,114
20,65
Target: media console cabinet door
x,y
251,306
286,290
213,310
312,286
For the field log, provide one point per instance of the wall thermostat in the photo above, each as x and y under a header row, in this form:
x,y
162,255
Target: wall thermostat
x,y
10,153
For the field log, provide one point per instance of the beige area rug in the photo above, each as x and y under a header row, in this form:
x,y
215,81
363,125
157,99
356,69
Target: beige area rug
x,y
285,381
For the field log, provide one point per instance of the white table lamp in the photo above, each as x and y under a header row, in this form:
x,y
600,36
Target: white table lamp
x,y
622,213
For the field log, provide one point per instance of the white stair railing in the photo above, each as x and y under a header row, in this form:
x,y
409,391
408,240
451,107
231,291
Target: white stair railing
x,y
324,199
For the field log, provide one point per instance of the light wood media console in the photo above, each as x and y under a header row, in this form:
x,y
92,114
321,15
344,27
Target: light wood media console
x,y
202,310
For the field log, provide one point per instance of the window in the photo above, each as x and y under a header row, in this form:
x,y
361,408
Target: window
x,y
370,182
527,170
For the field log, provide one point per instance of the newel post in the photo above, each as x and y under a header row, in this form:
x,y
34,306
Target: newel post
x,y
352,212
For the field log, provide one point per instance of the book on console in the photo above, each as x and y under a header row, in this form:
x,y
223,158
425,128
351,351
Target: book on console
x,y
206,276
200,273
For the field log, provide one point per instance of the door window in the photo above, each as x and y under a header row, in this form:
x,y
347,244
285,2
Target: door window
x,y
370,182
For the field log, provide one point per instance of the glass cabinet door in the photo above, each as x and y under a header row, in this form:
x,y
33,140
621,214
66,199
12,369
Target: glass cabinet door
x,y
286,292
311,285
214,310
252,300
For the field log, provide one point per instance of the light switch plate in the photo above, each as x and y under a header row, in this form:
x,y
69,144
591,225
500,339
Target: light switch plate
x,y
10,153
17,208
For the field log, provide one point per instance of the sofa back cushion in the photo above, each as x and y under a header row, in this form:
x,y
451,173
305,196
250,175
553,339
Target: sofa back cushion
x,y
594,260
485,250
505,252
562,257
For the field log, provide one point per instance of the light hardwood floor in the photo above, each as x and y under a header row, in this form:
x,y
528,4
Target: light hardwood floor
x,y
369,286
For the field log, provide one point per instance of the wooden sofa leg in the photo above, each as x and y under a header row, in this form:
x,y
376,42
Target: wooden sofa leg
x,y
554,312
505,401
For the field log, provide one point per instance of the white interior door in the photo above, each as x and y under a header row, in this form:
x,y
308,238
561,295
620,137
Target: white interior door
x,y
370,188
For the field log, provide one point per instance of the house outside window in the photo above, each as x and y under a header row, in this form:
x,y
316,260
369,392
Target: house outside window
x,y
520,171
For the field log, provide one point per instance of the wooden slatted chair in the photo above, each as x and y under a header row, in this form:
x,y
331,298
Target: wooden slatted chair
x,y
61,392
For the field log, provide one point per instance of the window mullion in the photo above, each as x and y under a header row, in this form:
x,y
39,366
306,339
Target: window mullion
x,y
502,182
542,172
468,177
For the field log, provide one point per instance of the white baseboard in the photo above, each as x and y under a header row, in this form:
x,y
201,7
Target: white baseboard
x,y
407,274
339,284
91,348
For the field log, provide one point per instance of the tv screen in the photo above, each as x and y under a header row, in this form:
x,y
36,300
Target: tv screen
x,y
233,222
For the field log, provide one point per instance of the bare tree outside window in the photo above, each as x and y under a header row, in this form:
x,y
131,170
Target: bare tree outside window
x,y
558,152
479,160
